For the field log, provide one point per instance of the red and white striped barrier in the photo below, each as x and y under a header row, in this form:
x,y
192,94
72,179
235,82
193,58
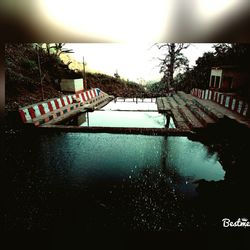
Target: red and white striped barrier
x,y
230,102
53,108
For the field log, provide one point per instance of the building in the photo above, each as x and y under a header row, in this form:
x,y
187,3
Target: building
x,y
72,85
228,78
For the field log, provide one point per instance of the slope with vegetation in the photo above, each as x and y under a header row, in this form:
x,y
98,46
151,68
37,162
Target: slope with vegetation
x,y
25,82
22,75
114,85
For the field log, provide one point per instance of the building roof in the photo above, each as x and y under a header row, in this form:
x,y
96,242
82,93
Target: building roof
x,y
226,67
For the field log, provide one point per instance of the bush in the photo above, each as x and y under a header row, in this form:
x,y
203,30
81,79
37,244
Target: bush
x,y
29,64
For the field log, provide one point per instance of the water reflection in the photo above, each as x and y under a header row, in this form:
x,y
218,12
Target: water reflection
x,y
125,119
108,181
146,104
109,155
231,143
191,159
124,112
155,176
77,120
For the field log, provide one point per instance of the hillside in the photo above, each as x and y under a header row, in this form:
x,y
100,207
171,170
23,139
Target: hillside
x,y
23,81
114,86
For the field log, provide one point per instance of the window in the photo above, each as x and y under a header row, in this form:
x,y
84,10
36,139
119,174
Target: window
x,y
212,81
231,83
217,81
228,82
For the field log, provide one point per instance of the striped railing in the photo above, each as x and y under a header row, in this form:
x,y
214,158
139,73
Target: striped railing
x,y
43,112
228,101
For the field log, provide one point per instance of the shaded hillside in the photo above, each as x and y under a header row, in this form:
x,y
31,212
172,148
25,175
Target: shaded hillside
x,y
23,81
22,77
114,86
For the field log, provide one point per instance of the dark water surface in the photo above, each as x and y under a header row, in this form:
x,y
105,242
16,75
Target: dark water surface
x,y
67,181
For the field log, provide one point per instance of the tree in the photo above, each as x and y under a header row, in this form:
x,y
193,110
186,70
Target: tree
x,y
221,49
173,60
235,54
116,75
48,47
55,48
59,48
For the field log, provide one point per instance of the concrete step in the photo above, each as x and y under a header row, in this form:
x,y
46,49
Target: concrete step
x,y
64,117
179,100
166,104
172,102
57,114
201,115
64,113
163,104
212,112
181,94
179,120
160,105
190,118
215,114
184,96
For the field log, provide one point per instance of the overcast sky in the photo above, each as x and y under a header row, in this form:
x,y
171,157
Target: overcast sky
x,y
133,61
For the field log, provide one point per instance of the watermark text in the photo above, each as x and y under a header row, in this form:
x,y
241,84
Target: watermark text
x,y
241,222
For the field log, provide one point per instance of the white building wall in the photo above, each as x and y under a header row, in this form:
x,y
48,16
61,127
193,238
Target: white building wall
x,y
215,72
71,85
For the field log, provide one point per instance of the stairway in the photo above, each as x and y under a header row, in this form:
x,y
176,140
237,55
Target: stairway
x,y
188,113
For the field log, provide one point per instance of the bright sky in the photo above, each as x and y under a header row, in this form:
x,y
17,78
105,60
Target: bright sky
x,y
126,20
138,20
133,61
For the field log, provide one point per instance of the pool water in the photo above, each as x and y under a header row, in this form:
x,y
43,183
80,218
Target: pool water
x,y
124,113
98,156
89,181
136,119
86,181
146,104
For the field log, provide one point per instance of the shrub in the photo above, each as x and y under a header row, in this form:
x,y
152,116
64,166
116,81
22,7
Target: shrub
x,y
29,64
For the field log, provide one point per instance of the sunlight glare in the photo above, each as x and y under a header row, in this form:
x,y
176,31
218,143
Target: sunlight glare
x,y
210,9
111,19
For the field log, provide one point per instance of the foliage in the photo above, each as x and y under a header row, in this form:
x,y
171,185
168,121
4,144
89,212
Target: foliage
x,y
23,86
115,86
235,54
116,75
156,89
173,61
59,49
29,64
22,60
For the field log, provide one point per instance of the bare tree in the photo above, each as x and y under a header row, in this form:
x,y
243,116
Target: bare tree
x,y
173,59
